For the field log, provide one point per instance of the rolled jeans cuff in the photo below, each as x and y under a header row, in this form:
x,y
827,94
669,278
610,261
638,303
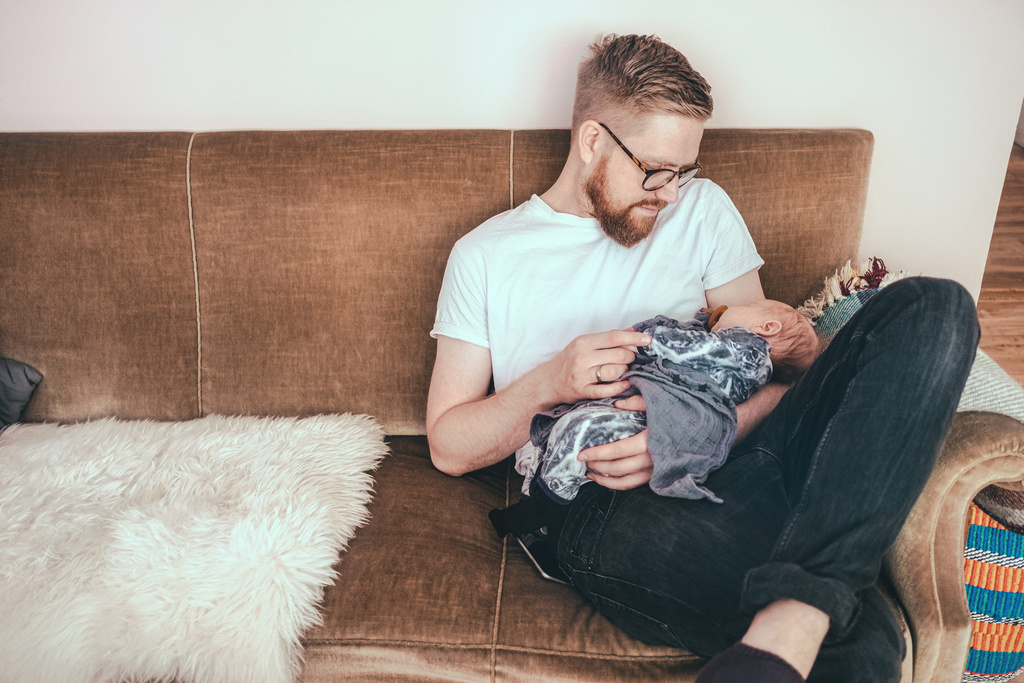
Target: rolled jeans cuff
x,y
781,580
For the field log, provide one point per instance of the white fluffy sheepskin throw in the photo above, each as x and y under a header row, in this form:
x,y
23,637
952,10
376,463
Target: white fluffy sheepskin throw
x,y
189,551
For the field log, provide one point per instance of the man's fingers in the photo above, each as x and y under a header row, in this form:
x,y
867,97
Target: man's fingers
x,y
577,368
635,402
620,467
606,359
625,483
606,390
615,450
610,372
613,338
593,359
627,338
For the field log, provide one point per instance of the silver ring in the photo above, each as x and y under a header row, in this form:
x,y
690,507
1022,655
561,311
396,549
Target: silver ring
x,y
598,374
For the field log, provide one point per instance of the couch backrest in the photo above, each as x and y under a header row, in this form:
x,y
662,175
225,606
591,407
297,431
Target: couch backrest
x,y
172,275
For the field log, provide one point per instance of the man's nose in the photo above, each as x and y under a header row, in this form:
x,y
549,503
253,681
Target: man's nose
x,y
669,193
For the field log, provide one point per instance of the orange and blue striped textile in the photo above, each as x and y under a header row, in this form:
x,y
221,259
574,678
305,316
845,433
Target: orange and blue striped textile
x,y
994,575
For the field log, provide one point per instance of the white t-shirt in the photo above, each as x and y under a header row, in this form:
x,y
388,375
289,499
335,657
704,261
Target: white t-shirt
x,y
528,281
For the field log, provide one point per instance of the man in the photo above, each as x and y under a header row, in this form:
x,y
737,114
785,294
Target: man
x,y
776,583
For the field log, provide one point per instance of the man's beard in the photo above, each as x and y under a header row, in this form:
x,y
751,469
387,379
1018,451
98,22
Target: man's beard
x,y
623,225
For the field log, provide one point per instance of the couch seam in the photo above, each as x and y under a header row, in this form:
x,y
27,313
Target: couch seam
x,y
511,155
501,582
504,648
597,656
195,277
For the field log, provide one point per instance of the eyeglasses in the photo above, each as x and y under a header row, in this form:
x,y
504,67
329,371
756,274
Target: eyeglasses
x,y
657,178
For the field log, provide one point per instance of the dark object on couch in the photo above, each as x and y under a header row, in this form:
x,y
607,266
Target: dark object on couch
x,y
17,382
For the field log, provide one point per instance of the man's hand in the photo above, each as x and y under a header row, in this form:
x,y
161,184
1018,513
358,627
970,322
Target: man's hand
x,y
590,366
620,465
623,464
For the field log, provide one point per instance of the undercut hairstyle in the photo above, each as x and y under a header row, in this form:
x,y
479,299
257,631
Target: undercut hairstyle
x,y
630,75
794,349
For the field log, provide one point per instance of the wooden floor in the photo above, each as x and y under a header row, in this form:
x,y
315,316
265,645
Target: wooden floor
x,y
1001,303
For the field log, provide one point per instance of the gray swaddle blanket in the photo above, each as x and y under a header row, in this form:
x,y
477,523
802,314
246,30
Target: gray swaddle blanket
x,y
691,380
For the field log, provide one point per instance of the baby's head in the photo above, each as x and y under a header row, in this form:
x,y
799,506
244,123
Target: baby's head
x,y
794,345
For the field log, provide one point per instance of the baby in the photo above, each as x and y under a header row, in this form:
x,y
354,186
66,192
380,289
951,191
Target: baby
x,y
691,376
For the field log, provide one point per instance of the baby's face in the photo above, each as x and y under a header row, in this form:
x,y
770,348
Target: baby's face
x,y
751,316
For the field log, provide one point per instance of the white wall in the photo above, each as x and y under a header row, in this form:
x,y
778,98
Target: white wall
x,y
939,82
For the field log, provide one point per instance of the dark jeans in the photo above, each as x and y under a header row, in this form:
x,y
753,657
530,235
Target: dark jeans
x,y
812,498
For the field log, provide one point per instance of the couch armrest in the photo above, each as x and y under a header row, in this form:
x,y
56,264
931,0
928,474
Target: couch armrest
x,y
926,563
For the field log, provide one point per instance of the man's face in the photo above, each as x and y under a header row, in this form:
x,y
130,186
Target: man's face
x,y
627,224
625,211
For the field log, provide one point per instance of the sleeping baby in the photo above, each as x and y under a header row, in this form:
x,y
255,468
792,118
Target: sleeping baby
x,y
691,376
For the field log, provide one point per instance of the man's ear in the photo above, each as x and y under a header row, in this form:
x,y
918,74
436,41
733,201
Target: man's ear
x,y
587,140
768,329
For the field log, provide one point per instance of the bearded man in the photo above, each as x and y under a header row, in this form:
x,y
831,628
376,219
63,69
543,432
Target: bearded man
x,y
776,583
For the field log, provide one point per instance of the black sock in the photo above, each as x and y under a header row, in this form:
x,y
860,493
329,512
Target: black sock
x,y
742,663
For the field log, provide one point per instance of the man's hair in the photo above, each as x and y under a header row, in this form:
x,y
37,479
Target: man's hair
x,y
795,347
630,75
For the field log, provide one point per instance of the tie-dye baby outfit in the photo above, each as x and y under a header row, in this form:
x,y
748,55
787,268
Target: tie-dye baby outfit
x,y
691,380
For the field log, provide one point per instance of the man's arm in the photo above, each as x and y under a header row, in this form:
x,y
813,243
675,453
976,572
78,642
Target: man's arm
x,y
751,412
467,429
744,290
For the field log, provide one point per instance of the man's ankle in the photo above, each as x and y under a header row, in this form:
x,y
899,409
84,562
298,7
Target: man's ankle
x,y
790,629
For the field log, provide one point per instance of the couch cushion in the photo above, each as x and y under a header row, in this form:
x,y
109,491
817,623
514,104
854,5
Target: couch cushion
x,y
427,591
96,267
418,584
320,256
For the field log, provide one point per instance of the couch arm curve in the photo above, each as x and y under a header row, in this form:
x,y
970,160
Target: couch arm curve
x,y
926,563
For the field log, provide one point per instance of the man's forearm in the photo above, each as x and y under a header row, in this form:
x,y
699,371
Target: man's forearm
x,y
468,430
751,412
481,433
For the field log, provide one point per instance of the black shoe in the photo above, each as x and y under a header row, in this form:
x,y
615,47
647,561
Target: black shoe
x,y
527,521
543,556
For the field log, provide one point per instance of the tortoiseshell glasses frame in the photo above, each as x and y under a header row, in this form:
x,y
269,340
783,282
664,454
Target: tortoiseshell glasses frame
x,y
655,179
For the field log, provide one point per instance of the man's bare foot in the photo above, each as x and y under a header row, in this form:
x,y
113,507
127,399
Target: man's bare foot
x,y
790,629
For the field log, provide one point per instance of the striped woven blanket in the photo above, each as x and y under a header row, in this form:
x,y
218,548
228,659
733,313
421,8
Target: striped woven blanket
x,y
994,574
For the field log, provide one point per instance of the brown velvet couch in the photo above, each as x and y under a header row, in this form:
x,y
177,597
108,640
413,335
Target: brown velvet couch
x,y
172,275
